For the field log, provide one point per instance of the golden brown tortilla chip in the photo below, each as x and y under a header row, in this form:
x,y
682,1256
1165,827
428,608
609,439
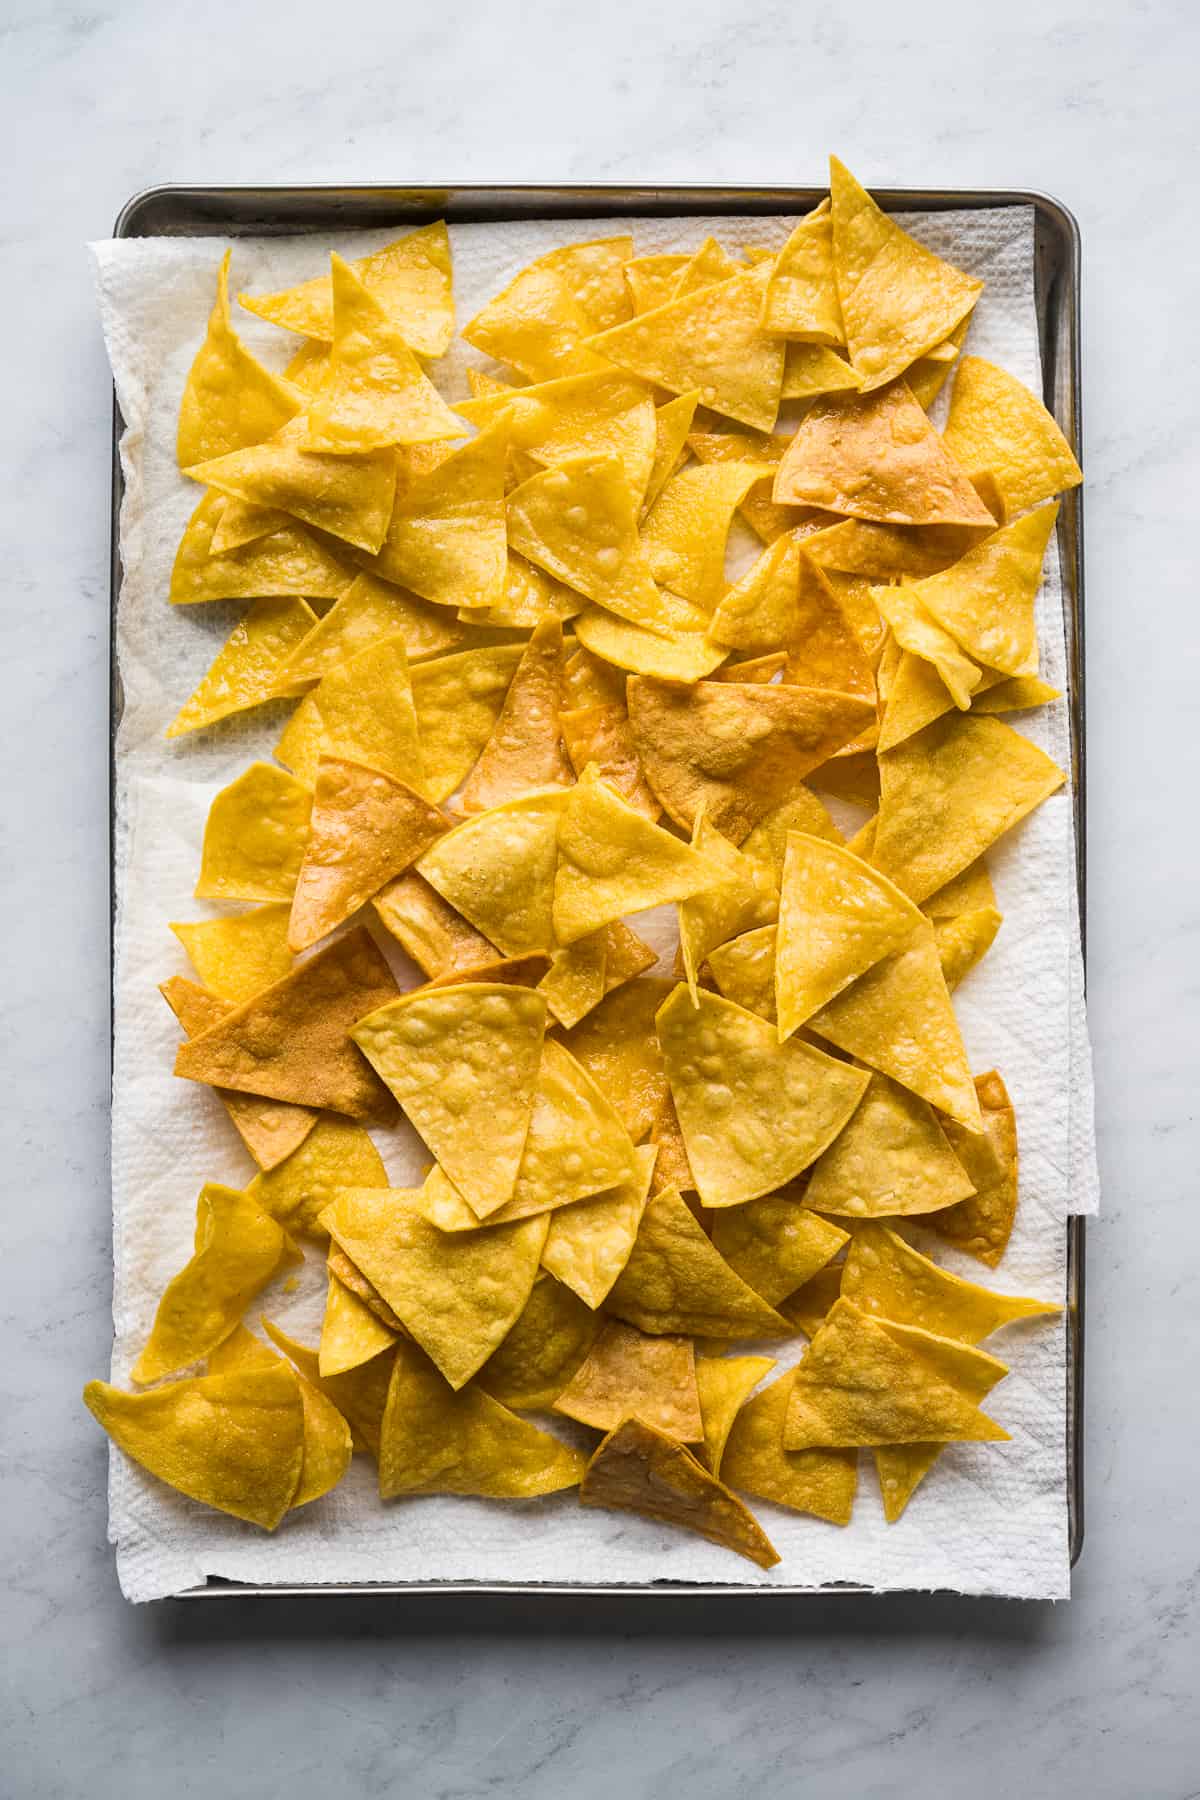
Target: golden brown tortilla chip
x,y
776,1244
525,749
982,1224
437,938
628,1373
887,1278
676,1282
618,1046
336,1154
996,424
893,1158
543,1350
822,1482
724,1384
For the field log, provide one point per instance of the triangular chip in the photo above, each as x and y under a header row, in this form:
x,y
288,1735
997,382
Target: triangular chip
x,y
602,414
457,1293
744,970
590,1242
290,1042
612,861
686,530
876,456
708,340
776,1244
898,1018
822,1482
754,1112
301,742
739,750
525,749
368,612
285,562
595,273
757,669
972,1373
327,1437
741,897
238,524
982,1224
359,1394
673,421
724,1384
350,1333
810,1305
671,1168
244,671
918,632
337,1154
410,278
996,424
437,1441
965,940
342,1268
230,400
574,982
801,299
929,375
837,918
350,497
916,696
859,1384
986,600
669,655
255,1416
949,792
254,837
809,370
367,712
760,512
437,938
709,264
531,597
887,1278
675,1281
893,1158
497,868
761,612
1014,693
618,1046
767,843
882,552
458,700
898,299
537,324
238,954
445,536
601,734
375,392
543,1349
627,1373
637,1469
652,280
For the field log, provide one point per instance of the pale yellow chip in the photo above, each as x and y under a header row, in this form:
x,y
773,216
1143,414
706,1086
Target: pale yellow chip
x,y
445,536
822,1482
367,613
590,1242
237,955
986,600
530,597
437,938
776,1244
612,861
888,1279
744,971
996,424
254,837
673,421
601,414
574,982
759,510
286,562
524,751
761,611
670,655
809,1306
741,897
498,869
350,1332
724,1384
543,1349
893,1158
684,535
810,370
350,497
627,1373
538,322
972,1373
707,265
982,1224
410,278
676,1281
327,1438
917,632
458,700
801,298
652,279
230,401
244,672
618,1046
337,1153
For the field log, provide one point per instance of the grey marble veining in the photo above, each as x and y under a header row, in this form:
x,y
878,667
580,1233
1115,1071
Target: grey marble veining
x,y
843,1697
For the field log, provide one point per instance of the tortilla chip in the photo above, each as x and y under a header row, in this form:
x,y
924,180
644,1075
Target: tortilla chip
x,y
350,497
756,670
327,1439
539,321
628,1373
618,1046
359,1393
724,1384
254,837
410,279
676,1282
287,562
972,1373
949,792
601,734
685,532
310,365
544,1349
458,700
881,552
982,1224
524,751
301,742
366,828
445,538
964,941
341,1268
776,1244
754,1112
244,670
917,632
613,861
336,1154
1016,693
673,421
672,1168
290,1041
230,400
810,370
888,1279
590,1242
838,917
438,939
740,750
801,299
708,340
744,971
822,1482
365,614
669,655
239,523
802,811
741,897
463,1063
637,1469
600,414
652,280
438,1441
238,954
758,509
928,376
761,610
809,1306
707,265
893,1158
996,424
916,696
986,600
238,1250
350,1333
497,868
574,982
255,1416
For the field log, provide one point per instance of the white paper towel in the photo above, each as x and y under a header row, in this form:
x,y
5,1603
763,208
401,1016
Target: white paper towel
x,y
989,1519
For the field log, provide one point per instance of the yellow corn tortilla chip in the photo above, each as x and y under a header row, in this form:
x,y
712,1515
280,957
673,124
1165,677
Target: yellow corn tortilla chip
x,y
367,613
928,376
965,940
290,1041
599,414
589,1243
809,1306
651,280
230,401
574,982
238,1249
893,1158
982,1224
858,1383
776,1244
375,392
336,1154
740,750
673,421
612,861
538,322
986,600
239,524
972,1373
754,1112
595,274
741,897
802,811
618,1046
996,424
601,734
627,1373
289,562
881,552
756,669
301,742
341,1268
759,510
458,700
899,301
917,695
725,1383
359,1394
761,611
463,1062
744,970
672,1168
1016,693
310,365
822,1482
838,917
801,298
327,1440
366,828
439,1441
457,1294
237,955
886,1278
497,868
676,1282
254,837
708,340
684,535
530,597
350,1332
244,671
235,1441
445,538
350,497
438,939
917,632
671,655
949,792
637,1469
810,370
524,750
898,1019
967,891
542,1351
709,264
410,279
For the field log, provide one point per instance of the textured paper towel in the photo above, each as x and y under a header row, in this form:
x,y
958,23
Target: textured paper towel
x,y
989,1520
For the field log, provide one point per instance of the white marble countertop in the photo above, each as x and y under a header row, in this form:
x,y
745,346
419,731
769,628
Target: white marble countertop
x,y
844,1697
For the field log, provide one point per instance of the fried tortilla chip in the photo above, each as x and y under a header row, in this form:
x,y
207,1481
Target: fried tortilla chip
x,y
965,940
290,1041
709,264
628,1373
888,1279
669,655
916,631
543,1350
760,512
928,376
802,811
537,323
288,561
601,414
301,741
458,700
342,1268
916,696
238,954
741,897
744,970
439,1441
350,497
590,1242
254,837
410,279
676,1282
612,861
239,524
801,299
350,1333
637,1469
336,1154
243,673
810,370
368,612
235,1441
359,1393
1016,693
672,1168
574,982
445,539
822,1482
652,280
996,424
809,1306
986,600
776,1244
893,1158
982,1224
618,1046
724,1384
761,611
600,733
498,869
438,939
881,552
754,1112
685,532
972,1373
230,401
327,1438
759,670
525,749
672,424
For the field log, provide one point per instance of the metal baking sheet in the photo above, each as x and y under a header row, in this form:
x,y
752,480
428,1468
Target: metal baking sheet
x,y
290,211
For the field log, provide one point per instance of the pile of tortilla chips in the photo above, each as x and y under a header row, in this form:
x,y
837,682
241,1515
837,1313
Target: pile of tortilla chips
x,y
529,703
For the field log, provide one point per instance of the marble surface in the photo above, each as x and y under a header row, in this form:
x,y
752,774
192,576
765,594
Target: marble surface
x,y
843,1697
